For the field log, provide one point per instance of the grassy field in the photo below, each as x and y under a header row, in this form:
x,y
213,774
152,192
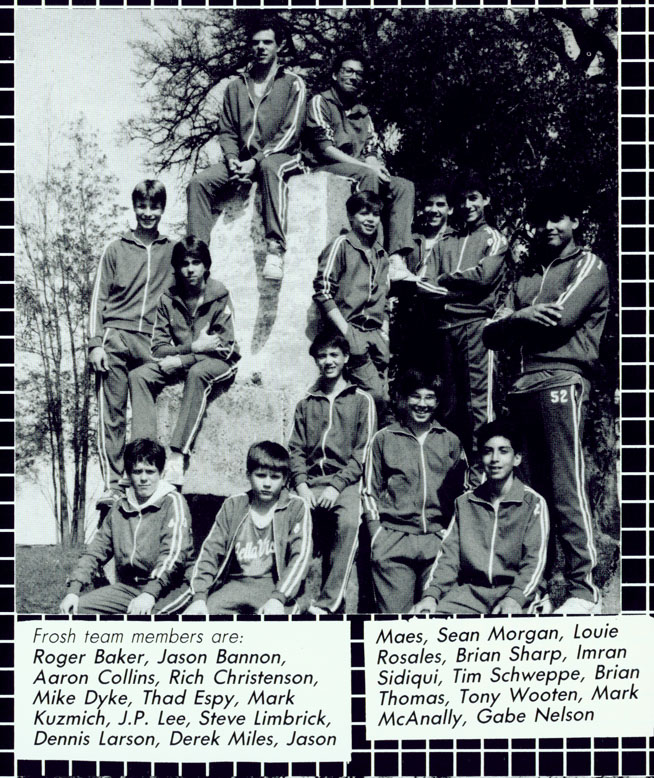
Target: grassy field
x,y
41,577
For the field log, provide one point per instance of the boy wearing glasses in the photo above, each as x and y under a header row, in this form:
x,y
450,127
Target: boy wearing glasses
x,y
342,140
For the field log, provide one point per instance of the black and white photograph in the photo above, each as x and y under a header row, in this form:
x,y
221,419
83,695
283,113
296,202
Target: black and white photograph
x,y
352,273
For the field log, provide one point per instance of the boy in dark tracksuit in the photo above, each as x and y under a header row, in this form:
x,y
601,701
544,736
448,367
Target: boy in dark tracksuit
x,y
255,557
147,533
414,471
418,295
334,424
260,125
351,289
556,313
470,268
341,139
133,273
493,554
193,337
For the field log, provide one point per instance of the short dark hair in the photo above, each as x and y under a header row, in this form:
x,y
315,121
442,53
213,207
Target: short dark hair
x,y
470,181
268,454
345,55
150,189
329,339
258,21
553,201
191,246
437,186
361,201
408,383
501,427
144,450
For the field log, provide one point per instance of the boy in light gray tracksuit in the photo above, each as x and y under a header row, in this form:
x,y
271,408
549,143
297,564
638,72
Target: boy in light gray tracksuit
x,y
147,532
334,424
414,471
556,313
493,554
133,273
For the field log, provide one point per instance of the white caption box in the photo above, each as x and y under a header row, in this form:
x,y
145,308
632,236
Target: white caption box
x,y
488,678
183,691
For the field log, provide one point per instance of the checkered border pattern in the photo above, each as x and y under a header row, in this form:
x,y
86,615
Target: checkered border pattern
x,y
523,757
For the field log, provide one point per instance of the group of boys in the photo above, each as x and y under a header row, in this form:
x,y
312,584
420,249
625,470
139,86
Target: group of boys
x,y
444,536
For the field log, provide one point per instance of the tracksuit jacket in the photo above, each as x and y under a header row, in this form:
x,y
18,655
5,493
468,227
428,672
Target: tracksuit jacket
x,y
471,267
130,279
291,536
351,282
150,543
251,129
330,436
580,284
422,262
330,123
176,327
409,486
504,546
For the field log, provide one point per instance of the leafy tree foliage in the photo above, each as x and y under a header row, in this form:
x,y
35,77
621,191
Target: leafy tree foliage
x,y
63,220
527,97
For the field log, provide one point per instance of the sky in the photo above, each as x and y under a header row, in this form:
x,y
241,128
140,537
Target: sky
x,y
71,61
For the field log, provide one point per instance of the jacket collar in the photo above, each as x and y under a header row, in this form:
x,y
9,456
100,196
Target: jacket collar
x,y
399,429
574,256
354,241
130,504
516,493
130,237
355,111
282,502
481,223
316,391
213,290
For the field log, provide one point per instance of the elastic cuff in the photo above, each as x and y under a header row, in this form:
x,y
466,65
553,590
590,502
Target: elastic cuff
x,y
300,479
188,359
153,587
276,595
517,595
328,305
184,348
432,592
258,157
337,482
94,343
74,587
200,596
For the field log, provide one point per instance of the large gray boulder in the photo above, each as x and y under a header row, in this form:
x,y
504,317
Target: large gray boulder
x,y
274,322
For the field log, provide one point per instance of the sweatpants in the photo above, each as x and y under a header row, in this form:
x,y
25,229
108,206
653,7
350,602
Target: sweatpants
x,y
401,562
335,535
552,422
204,191
465,366
148,380
400,195
125,351
368,365
114,598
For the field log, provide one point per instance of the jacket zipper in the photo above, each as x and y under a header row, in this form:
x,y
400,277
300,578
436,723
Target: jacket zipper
x,y
324,437
279,578
463,248
136,532
147,284
542,281
256,108
228,553
424,482
496,511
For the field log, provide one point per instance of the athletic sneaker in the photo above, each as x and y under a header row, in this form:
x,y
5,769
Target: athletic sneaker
x,y
273,270
316,610
398,271
542,606
576,606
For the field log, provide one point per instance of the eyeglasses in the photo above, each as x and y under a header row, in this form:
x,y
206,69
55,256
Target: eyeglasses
x,y
351,73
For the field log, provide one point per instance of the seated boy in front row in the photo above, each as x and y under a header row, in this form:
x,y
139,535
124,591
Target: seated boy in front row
x,y
334,424
493,554
351,290
147,532
256,555
414,470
